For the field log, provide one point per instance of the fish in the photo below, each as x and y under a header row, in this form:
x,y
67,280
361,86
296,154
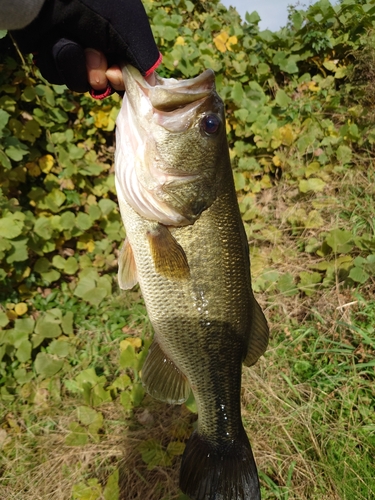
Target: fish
x,y
186,247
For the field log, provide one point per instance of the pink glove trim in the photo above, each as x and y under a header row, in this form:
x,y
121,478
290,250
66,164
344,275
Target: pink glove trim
x,y
99,94
153,68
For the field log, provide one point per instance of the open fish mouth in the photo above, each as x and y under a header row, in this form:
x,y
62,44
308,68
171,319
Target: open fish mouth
x,y
169,94
169,103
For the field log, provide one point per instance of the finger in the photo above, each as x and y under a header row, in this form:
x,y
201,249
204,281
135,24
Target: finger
x,y
96,65
114,75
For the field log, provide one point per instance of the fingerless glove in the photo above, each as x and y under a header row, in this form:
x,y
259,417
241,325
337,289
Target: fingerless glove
x,y
64,28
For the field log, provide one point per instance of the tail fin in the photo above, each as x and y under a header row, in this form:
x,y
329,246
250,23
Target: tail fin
x,y
212,472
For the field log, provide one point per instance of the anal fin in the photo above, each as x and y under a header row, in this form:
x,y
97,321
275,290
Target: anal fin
x,y
162,379
259,336
168,255
127,270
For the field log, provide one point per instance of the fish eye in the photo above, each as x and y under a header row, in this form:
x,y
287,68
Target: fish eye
x,y
210,124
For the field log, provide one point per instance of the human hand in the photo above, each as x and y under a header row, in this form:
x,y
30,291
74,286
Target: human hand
x,y
80,43
99,76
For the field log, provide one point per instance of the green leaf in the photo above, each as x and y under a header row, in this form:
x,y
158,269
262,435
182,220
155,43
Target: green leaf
x,y
153,454
95,296
71,266
47,365
106,206
358,274
16,153
42,265
4,160
128,358
252,18
344,154
58,262
25,325
46,328
67,220
282,99
312,184
4,117
23,353
11,226
339,240
308,282
19,252
43,228
83,221
176,448
67,323
286,285
137,394
87,415
4,320
59,348
237,93
112,489
77,437
126,401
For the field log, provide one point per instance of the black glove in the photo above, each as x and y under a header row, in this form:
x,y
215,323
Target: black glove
x,y
64,28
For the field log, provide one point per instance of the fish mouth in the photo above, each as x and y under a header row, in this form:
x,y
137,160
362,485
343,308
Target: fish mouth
x,y
169,103
169,94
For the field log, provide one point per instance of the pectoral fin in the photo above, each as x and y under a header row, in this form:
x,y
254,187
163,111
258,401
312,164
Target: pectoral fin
x,y
162,379
169,257
127,270
259,335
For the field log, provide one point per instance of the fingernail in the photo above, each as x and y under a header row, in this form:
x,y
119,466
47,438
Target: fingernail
x,y
93,58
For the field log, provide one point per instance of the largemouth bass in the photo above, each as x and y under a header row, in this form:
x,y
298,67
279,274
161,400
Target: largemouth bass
x,y
187,248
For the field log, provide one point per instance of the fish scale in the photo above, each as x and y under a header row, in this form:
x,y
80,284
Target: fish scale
x,y
195,280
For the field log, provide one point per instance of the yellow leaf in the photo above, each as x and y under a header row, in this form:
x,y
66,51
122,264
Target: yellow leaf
x,y
26,273
20,308
103,119
90,246
46,163
91,200
33,169
312,168
276,161
313,87
180,40
220,41
232,40
266,182
287,135
67,184
136,342
11,315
